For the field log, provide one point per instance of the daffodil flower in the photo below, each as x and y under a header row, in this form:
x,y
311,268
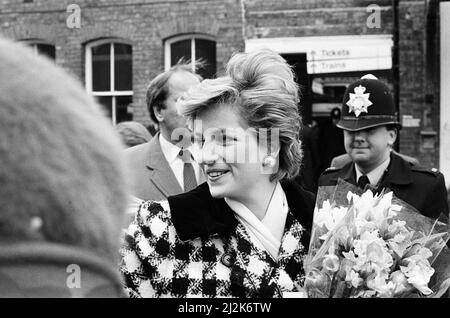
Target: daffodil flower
x,y
418,273
331,263
401,283
380,284
329,216
376,248
354,278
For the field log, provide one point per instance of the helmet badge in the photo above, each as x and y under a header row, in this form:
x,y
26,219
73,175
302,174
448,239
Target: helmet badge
x,y
359,101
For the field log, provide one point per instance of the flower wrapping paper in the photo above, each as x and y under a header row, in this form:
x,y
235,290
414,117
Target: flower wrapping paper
x,y
374,245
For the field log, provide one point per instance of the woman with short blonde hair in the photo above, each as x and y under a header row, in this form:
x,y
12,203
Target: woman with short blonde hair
x,y
245,232
262,89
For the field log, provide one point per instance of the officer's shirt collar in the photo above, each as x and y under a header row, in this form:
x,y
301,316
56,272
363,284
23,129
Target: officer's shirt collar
x,y
376,174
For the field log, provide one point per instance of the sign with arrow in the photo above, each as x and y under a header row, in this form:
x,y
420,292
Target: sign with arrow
x,y
348,65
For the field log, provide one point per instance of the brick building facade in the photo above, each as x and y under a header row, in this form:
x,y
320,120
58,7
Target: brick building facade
x,y
405,31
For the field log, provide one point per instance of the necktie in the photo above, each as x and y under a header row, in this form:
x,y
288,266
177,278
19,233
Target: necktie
x,y
363,181
190,182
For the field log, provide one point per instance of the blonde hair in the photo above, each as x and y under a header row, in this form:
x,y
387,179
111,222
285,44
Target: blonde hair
x,y
261,86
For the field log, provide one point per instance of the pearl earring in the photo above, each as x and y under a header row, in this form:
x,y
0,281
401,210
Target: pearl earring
x,y
269,161
36,223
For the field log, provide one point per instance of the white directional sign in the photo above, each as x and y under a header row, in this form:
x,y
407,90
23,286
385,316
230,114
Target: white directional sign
x,y
349,65
331,54
349,52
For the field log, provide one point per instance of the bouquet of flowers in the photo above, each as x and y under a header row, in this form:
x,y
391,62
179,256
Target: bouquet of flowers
x,y
367,245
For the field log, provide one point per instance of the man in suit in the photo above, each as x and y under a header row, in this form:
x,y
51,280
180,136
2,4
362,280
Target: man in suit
x,y
163,167
370,129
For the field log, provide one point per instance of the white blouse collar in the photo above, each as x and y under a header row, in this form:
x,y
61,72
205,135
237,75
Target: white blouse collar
x,y
268,232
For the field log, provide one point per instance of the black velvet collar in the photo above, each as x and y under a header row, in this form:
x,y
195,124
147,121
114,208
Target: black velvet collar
x,y
197,214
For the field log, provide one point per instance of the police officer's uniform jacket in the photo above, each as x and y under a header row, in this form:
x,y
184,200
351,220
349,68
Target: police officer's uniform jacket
x,y
193,246
422,188
368,103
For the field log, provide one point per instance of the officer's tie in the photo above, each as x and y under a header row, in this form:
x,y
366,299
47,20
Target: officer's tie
x,y
190,182
363,181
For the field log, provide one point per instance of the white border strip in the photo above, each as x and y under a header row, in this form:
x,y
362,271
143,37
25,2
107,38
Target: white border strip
x,y
444,149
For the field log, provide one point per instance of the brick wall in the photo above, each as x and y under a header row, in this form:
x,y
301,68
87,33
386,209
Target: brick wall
x,y
274,18
414,83
285,18
147,23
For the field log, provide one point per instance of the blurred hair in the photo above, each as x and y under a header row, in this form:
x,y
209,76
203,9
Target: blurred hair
x,y
158,89
61,159
133,133
261,87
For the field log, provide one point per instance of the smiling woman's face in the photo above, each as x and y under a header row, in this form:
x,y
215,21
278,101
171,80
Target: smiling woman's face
x,y
369,147
228,152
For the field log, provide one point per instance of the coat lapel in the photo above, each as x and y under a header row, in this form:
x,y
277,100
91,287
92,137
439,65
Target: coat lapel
x,y
197,214
348,174
398,173
252,269
255,274
161,175
255,268
292,254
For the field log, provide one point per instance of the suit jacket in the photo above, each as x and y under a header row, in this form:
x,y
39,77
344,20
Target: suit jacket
x,y
193,246
151,175
422,188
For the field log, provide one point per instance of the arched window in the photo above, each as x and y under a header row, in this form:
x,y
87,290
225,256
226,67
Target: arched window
x,y
109,74
42,48
192,47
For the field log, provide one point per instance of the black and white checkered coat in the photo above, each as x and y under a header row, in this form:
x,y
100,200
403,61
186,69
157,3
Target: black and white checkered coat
x,y
192,246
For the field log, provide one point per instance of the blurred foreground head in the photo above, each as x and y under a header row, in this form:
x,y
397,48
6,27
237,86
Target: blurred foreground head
x,y
61,176
133,133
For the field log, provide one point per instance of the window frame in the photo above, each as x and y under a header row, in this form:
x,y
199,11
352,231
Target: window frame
x,y
33,43
192,37
88,74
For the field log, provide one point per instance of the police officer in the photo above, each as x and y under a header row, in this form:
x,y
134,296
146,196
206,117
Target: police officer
x,y
370,129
